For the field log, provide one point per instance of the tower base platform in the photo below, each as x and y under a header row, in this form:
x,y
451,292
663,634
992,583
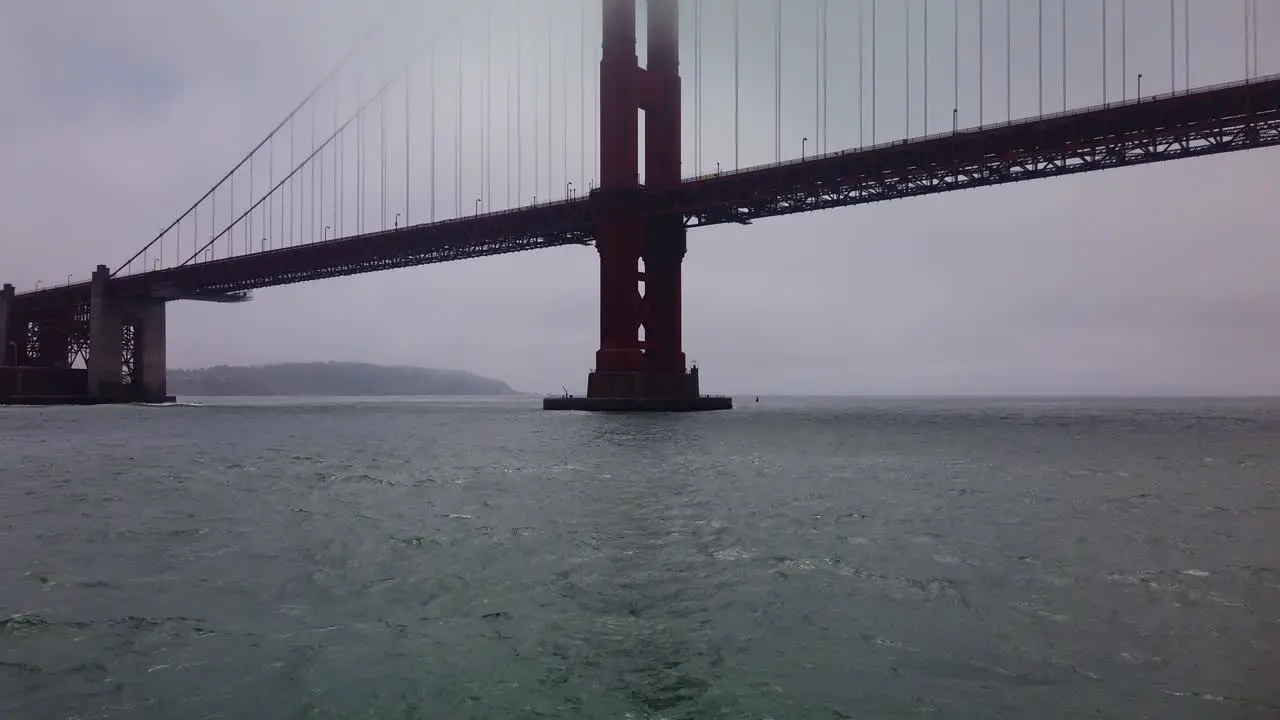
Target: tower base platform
x,y
698,403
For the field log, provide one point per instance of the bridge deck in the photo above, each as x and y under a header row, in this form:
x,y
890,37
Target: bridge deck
x,y
1202,122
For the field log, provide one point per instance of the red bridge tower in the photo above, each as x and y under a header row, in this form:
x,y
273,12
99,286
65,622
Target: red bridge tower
x,y
640,256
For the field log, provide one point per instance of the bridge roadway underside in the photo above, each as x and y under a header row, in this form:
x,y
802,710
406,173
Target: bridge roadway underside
x,y
1203,122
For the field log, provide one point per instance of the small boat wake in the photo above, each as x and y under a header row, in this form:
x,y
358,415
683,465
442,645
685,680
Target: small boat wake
x,y
169,404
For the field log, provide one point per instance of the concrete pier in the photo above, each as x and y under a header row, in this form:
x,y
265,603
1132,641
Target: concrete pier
x,y
106,337
124,360
8,345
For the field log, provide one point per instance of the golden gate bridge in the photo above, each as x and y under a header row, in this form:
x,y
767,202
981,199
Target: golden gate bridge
x,y
504,126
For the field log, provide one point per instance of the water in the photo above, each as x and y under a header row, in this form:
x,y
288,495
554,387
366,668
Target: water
x,y
793,559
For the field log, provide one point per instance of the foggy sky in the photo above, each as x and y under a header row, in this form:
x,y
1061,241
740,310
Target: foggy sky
x,y
1161,279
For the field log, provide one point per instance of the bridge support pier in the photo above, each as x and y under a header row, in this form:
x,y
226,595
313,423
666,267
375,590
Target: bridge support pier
x,y
634,372
150,351
127,349
8,345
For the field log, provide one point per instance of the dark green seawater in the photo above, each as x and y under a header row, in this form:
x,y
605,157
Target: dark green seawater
x,y
796,559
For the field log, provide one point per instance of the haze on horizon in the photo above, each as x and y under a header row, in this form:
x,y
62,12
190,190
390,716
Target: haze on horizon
x,y
1150,280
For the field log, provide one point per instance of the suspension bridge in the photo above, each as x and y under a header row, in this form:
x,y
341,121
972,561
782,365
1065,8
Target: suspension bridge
x,y
502,127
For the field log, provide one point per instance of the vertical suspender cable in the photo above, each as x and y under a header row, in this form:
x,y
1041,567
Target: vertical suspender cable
x,y
359,179
564,112
982,56
507,145
906,63
697,88
292,165
1173,59
826,62
1064,55
551,77
488,111
337,164
1186,42
582,93
955,65
1040,49
457,144
1104,51
537,130
737,142
862,96
382,163
777,82
1255,38
270,225
1008,58
925,3
432,156
311,214
1124,48
519,110
873,70
248,230
408,155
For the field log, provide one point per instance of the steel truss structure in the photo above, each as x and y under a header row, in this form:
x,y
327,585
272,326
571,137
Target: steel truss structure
x,y
128,354
1239,116
1207,121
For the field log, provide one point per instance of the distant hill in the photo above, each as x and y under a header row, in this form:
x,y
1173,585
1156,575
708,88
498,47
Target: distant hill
x,y
330,378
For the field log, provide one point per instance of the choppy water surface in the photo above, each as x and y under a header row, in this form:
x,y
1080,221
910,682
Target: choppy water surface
x,y
793,559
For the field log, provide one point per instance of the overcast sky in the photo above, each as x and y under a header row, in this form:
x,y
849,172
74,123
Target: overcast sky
x,y
115,117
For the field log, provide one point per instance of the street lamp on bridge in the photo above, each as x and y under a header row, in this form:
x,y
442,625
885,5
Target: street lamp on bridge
x,y
804,142
325,235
